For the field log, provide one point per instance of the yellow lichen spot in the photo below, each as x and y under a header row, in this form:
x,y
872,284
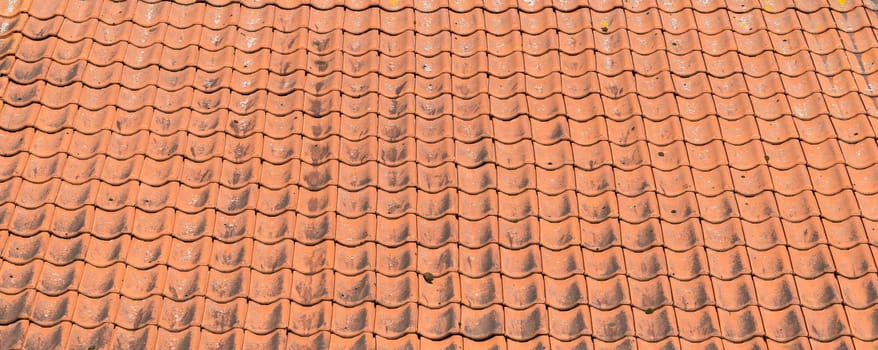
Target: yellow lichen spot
x,y
767,8
394,2
605,24
842,2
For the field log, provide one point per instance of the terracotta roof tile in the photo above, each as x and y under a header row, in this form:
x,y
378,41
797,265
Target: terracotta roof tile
x,y
509,174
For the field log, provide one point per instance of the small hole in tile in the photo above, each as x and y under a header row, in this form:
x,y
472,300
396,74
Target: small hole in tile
x,y
661,154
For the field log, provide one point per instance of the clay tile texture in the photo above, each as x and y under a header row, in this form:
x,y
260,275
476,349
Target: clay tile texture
x,y
454,174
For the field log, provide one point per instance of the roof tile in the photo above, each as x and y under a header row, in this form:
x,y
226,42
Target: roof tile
x,y
47,335
163,156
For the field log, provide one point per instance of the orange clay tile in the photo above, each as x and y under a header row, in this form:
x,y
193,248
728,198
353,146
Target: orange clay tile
x,y
413,174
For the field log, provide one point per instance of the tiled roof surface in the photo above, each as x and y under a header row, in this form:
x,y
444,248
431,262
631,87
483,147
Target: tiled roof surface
x,y
451,174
